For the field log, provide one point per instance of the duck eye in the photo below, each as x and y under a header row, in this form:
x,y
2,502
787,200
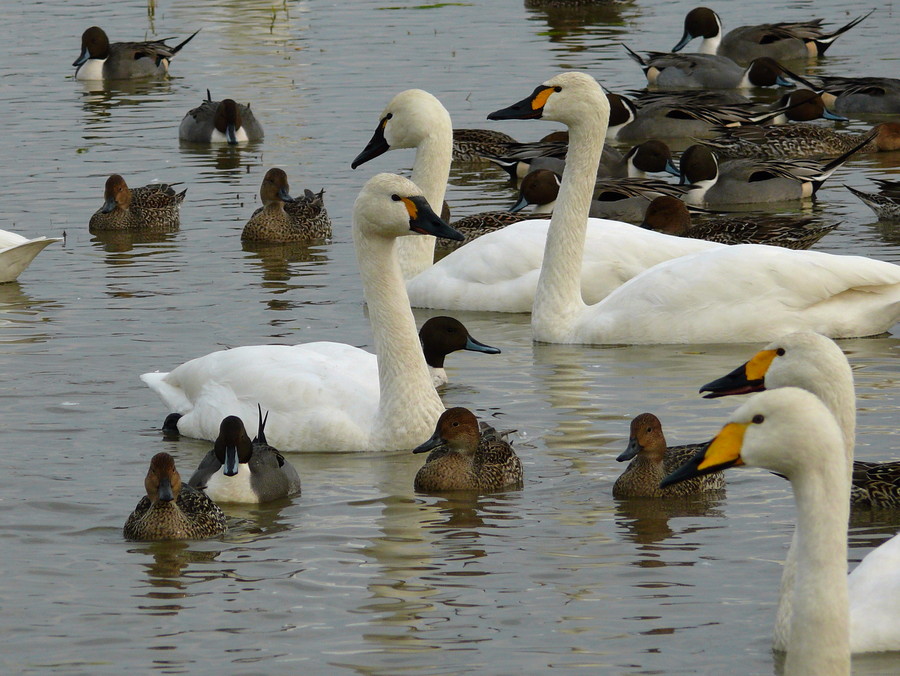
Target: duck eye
x,y
758,419
456,423
780,351
396,198
557,88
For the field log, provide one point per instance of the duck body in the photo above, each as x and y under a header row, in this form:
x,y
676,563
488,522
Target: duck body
x,y
652,460
172,510
224,121
17,252
283,218
102,60
151,207
668,70
240,470
463,458
471,145
331,399
474,226
885,203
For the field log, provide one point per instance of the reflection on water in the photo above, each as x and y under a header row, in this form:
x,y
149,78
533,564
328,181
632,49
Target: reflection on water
x,y
646,521
229,162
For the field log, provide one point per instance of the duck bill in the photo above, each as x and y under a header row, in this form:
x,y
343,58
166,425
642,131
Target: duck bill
x,y
164,492
672,169
231,135
518,206
477,346
230,467
530,108
376,146
424,221
633,449
721,453
828,115
285,196
682,43
746,378
84,56
431,444
108,206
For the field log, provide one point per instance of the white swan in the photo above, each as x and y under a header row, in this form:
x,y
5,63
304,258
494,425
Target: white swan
x,y
498,272
17,252
816,364
330,396
791,432
727,294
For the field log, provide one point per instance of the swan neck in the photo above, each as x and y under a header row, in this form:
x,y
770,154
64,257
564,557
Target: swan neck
x,y
819,635
558,302
431,171
409,404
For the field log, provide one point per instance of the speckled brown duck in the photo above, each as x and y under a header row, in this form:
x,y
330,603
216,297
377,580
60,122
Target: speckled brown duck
x,y
152,207
172,510
463,458
652,460
283,218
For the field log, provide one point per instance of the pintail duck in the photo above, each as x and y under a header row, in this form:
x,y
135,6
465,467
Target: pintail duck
x,y
782,41
800,140
620,199
671,216
745,181
100,60
707,71
152,207
240,470
652,460
172,510
885,203
463,458
470,145
224,121
855,95
442,335
690,114
815,363
283,218
17,252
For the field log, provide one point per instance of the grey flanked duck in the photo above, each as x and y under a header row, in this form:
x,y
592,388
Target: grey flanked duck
x,y
782,41
172,510
152,207
652,460
442,335
102,60
672,216
283,218
224,121
885,203
707,71
463,458
240,470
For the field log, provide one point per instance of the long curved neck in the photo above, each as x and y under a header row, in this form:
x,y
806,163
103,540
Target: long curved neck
x,y
819,641
557,302
409,405
431,170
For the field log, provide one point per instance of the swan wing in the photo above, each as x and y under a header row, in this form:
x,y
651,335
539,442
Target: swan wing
x,y
874,587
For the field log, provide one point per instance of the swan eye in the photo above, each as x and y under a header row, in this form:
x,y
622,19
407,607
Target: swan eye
x,y
557,88
758,419
780,351
388,117
396,198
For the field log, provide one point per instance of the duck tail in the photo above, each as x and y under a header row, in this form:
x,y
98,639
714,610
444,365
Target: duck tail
x,y
178,47
823,42
261,430
830,168
636,57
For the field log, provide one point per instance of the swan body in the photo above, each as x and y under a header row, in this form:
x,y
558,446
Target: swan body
x,y
727,294
17,252
497,272
330,396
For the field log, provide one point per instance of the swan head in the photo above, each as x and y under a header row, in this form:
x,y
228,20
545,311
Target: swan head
x,y
393,206
571,98
788,431
456,430
275,187
232,446
162,483
412,117
803,359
